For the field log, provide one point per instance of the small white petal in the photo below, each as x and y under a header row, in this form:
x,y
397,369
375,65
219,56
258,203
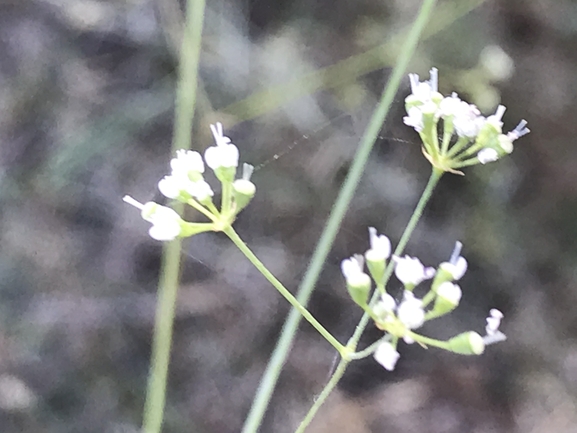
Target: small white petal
x,y
487,155
414,119
225,155
388,302
496,313
468,121
200,190
410,270
185,162
411,311
164,232
387,355
451,292
170,186
450,105
380,245
351,267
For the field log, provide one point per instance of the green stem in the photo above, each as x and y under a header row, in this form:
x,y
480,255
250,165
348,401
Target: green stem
x,y
283,291
340,207
369,350
430,341
170,269
335,378
196,205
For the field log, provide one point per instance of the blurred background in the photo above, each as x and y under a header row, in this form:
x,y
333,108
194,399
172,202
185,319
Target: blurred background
x,y
86,93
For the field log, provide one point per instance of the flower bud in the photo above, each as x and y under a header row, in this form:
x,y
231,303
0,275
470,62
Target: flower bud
x,y
377,255
358,282
448,297
244,189
467,343
387,355
359,287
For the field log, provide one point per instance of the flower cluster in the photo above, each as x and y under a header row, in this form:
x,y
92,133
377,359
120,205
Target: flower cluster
x,y
399,320
186,184
479,139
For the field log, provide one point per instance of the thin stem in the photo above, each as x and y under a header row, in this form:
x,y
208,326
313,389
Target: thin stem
x,y
170,269
283,291
196,205
334,380
430,341
369,350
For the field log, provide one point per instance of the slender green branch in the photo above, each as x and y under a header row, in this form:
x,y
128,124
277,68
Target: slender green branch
x,y
340,207
369,350
430,341
283,291
335,378
170,270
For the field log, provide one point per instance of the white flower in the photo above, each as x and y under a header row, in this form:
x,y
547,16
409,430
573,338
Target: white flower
x,y
425,90
495,119
450,292
165,221
492,328
411,311
457,265
387,355
384,307
410,270
451,105
468,121
414,119
174,185
186,161
352,269
487,155
200,190
224,154
380,246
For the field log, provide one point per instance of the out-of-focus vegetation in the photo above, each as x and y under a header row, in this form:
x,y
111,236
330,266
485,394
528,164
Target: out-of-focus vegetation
x,y
87,90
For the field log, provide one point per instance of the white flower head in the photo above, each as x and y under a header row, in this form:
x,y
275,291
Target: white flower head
x,y
387,355
411,311
166,223
410,270
380,245
224,154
